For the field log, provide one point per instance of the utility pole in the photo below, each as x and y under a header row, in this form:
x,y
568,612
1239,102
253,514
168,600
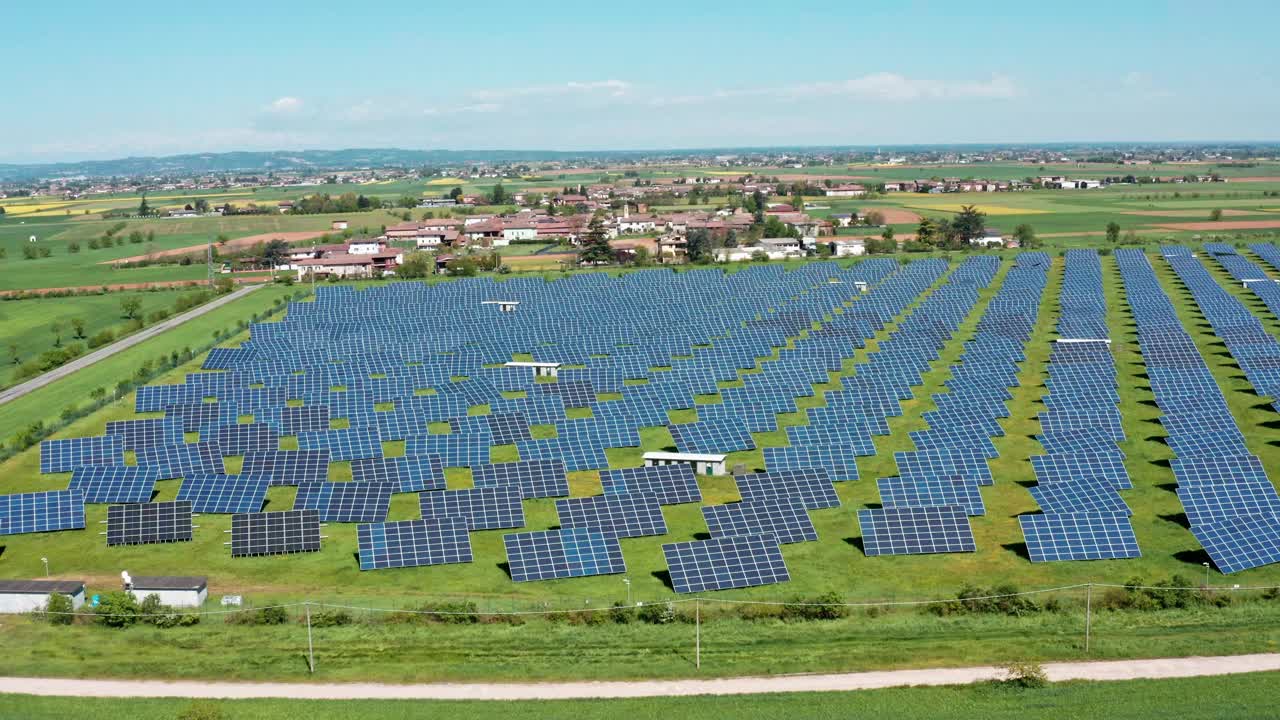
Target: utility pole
x,y
311,651
1088,615
208,263
697,633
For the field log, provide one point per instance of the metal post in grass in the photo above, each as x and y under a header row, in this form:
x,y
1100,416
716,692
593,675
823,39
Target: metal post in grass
x,y
311,650
697,633
1088,615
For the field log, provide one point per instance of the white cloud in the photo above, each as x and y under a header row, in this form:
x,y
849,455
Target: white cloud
x,y
881,86
285,105
612,88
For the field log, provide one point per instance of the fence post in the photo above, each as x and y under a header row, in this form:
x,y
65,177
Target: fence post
x,y
1088,615
311,651
697,633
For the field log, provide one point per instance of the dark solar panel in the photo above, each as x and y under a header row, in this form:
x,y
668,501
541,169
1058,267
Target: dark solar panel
x,y
274,533
784,516
288,467
722,563
1079,536
671,484
535,478
114,483
485,508
142,523
630,515
812,487
412,473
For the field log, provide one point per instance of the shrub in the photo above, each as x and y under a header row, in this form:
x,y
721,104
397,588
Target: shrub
x,y
331,618
1027,674
827,606
621,613
201,710
264,616
657,614
101,338
58,611
117,609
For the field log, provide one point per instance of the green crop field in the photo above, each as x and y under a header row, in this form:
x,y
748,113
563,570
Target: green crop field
x,y
1232,697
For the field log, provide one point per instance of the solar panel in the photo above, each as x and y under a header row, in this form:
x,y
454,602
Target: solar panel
x,y
363,502
414,543
712,436
291,420
784,517
564,553
1058,467
194,416
671,484
508,428
412,473
914,531
1219,469
175,461
143,433
288,467
1241,542
484,508
114,483
224,493
240,438
41,512
1085,439
453,450
349,444
735,561
274,533
1079,536
931,492
1079,495
143,523
68,454
945,462
534,478
811,486
577,455
1207,503
630,515
575,393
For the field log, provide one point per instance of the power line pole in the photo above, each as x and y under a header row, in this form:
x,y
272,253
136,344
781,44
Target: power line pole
x,y
208,263
1088,615
311,651
697,633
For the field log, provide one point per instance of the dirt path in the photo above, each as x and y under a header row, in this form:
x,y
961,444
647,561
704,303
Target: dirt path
x,y
103,353
240,242
1110,670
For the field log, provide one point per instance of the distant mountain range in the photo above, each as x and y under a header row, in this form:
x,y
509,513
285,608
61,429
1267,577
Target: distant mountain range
x,y
313,160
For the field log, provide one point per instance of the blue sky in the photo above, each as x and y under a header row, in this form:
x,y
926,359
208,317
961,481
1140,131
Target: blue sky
x,y
101,80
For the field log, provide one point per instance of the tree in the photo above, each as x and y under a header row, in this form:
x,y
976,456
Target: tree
x,y
1113,232
407,201
117,609
59,609
56,329
1026,236
927,231
731,239
15,356
595,246
77,327
201,205
456,192
697,244
969,224
499,196
143,208
130,306
275,252
874,218
416,265
1216,214
887,237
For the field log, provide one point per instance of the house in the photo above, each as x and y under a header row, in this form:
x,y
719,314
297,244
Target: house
x,y
848,190
347,264
435,202
518,230
173,591
991,237
637,224
184,212
843,219
338,225
284,206
772,248
434,237
848,247
365,246
901,186
24,596
703,463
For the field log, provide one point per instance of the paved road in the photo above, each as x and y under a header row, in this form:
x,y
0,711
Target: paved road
x,y
1111,670
107,351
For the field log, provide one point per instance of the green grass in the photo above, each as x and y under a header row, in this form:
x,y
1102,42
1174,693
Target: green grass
x,y
1231,697
27,325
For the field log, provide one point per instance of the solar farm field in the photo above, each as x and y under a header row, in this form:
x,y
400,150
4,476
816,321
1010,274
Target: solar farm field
x,y
1030,419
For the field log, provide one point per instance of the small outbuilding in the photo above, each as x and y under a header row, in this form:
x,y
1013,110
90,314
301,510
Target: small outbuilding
x,y
703,463
174,591
540,369
24,596
503,305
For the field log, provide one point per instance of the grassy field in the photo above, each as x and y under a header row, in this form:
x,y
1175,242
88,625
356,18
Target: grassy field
x,y
28,325
1232,697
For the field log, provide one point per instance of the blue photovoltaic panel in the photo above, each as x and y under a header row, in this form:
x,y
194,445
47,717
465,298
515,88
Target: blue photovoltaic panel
x,y
194,416
413,473
1241,542
782,516
240,438
914,531
507,428
722,563
1079,495
575,393
576,454
851,439
346,501
631,515
812,487
671,484
535,478
349,444
564,553
175,461
414,543
485,508
1077,441
955,463
1207,503
839,462
41,512
1058,467
291,420
1079,536
68,454
719,436
144,433
114,483
140,523
454,450
274,533
288,467
921,492
224,493
1218,469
